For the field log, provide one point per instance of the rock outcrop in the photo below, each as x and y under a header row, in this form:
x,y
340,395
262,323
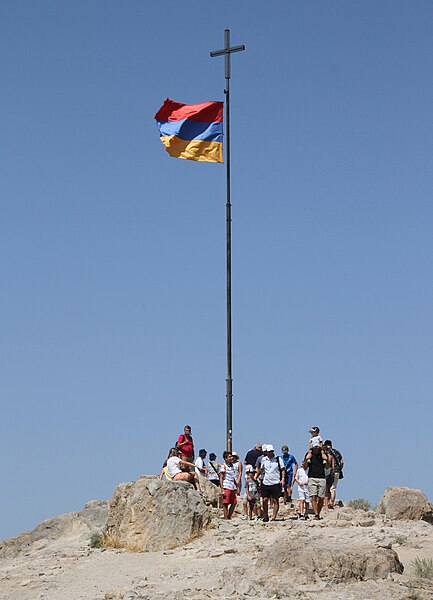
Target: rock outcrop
x,y
150,514
78,525
314,562
406,504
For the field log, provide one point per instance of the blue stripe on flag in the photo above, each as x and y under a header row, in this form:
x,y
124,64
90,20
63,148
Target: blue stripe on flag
x,y
192,130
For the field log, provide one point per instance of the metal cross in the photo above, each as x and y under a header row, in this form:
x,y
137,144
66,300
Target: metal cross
x,y
227,50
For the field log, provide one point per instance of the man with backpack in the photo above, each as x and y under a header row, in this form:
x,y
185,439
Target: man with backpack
x,y
274,474
338,471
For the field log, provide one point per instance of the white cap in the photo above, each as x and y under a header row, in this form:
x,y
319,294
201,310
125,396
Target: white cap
x,y
270,448
264,447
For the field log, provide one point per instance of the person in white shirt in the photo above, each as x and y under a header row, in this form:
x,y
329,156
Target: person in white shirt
x,y
174,464
315,440
229,484
274,473
301,479
200,463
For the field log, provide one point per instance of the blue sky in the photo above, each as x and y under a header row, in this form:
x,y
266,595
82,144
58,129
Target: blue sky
x,y
113,253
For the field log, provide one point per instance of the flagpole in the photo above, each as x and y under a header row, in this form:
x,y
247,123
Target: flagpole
x,y
226,52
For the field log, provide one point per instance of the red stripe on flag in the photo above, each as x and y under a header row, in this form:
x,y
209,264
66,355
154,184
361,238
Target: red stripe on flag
x,y
206,112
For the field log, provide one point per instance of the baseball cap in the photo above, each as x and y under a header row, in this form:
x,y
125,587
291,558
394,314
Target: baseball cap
x,y
270,448
235,454
284,448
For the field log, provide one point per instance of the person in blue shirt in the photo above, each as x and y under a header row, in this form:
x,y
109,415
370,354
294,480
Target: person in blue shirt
x,y
291,467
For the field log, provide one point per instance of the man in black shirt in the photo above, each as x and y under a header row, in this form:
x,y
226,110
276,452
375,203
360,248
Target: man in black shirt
x,y
317,463
253,455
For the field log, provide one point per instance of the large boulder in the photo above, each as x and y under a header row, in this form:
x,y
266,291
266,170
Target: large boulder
x,y
332,562
150,514
406,504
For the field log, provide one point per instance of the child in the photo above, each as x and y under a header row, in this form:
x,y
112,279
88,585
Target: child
x,y
229,484
252,492
315,440
301,479
248,469
164,472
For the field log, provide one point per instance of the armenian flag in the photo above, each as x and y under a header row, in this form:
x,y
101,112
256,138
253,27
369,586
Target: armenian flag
x,y
192,131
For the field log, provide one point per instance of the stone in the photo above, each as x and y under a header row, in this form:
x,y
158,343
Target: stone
x,y
367,523
405,504
150,514
334,562
211,493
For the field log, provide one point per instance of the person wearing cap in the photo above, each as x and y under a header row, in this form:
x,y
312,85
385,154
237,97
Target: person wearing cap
x,y
253,454
291,467
200,463
213,469
315,440
274,473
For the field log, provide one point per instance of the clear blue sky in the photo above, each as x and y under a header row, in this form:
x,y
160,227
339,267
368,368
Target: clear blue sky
x,y
113,253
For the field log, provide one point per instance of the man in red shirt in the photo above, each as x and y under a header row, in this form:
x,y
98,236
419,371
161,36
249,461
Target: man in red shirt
x,y
186,445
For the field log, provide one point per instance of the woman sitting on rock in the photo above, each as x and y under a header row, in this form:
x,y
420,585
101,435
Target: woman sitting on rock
x,y
174,464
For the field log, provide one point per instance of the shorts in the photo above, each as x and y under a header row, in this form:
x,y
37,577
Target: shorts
x,y
304,494
317,487
229,496
335,482
330,479
288,478
271,491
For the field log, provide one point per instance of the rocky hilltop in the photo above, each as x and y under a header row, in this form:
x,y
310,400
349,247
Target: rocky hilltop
x,y
162,540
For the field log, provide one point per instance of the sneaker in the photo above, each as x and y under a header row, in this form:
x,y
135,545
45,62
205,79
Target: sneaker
x,y
259,519
306,518
265,519
316,517
244,517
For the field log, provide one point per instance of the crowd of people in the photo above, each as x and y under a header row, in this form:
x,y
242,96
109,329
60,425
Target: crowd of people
x,y
267,476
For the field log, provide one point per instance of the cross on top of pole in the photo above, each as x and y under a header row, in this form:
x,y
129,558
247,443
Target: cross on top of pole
x,y
226,51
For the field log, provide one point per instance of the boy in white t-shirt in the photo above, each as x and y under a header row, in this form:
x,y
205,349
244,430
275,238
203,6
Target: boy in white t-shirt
x,y
229,484
315,440
301,479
